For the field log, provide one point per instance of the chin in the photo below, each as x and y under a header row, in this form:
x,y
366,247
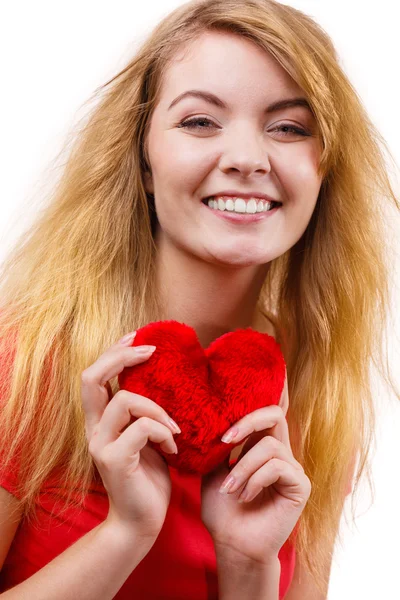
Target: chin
x,y
235,259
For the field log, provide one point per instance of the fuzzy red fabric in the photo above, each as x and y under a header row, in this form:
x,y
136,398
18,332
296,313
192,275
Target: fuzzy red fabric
x,y
205,390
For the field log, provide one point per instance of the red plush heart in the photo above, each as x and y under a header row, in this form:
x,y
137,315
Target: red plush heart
x,y
205,391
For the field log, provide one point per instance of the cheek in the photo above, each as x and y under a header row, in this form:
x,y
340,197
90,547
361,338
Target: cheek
x,y
179,173
301,184
301,181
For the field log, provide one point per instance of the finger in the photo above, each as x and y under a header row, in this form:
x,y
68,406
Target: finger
x,y
107,385
283,474
269,419
264,451
284,399
136,436
94,391
119,411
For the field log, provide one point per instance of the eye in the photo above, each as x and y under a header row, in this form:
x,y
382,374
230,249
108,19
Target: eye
x,y
285,129
291,129
195,123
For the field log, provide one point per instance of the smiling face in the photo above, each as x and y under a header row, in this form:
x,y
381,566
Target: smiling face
x,y
198,148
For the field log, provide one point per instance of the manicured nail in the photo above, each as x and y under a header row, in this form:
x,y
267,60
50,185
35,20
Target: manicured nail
x,y
128,338
243,497
174,425
143,350
225,487
229,435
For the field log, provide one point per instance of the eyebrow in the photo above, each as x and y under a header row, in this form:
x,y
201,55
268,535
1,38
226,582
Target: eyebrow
x,y
213,99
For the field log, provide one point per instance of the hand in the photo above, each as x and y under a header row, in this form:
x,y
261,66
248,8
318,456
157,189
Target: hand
x,y
134,474
275,483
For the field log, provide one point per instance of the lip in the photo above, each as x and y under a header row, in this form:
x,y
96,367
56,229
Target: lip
x,y
239,194
242,218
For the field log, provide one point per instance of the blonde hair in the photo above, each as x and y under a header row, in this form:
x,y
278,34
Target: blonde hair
x,y
83,275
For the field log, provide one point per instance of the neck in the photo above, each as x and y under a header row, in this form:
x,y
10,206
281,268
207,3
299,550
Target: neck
x,y
213,299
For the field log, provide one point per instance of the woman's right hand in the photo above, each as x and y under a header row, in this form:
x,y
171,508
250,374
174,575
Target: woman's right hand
x,y
135,475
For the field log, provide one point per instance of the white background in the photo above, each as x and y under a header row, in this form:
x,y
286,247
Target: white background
x,y
54,55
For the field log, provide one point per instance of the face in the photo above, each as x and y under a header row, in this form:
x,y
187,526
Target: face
x,y
198,148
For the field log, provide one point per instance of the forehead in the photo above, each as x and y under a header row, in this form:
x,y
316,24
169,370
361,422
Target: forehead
x,y
227,63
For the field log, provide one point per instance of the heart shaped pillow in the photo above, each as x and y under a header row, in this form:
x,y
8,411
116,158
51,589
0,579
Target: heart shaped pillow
x,y
205,391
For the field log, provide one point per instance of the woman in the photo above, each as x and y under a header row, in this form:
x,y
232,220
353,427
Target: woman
x,y
148,223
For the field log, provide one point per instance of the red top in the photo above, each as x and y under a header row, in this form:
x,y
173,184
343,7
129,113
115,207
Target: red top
x,y
183,555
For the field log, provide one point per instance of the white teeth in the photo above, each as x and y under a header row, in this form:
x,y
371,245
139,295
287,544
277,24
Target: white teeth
x,y
251,206
239,205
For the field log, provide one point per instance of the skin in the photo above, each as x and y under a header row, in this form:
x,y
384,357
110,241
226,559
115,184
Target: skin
x,y
210,271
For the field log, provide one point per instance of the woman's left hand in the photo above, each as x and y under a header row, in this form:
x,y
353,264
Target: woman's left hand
x,y
275,482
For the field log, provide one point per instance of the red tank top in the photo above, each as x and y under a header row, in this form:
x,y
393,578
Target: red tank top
x,y
183,556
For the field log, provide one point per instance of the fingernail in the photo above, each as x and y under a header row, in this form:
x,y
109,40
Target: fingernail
x,y
129,337
229,435
243,497
174,425
143,350
225,487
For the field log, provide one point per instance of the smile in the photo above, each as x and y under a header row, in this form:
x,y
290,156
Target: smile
x,y
239,205
233,215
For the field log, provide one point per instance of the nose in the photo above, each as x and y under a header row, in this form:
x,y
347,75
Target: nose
x,y
246,153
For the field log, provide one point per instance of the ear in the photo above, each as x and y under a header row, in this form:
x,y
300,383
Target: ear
x,y
284,399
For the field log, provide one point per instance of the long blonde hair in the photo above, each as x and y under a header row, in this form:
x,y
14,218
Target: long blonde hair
x,y
83,274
